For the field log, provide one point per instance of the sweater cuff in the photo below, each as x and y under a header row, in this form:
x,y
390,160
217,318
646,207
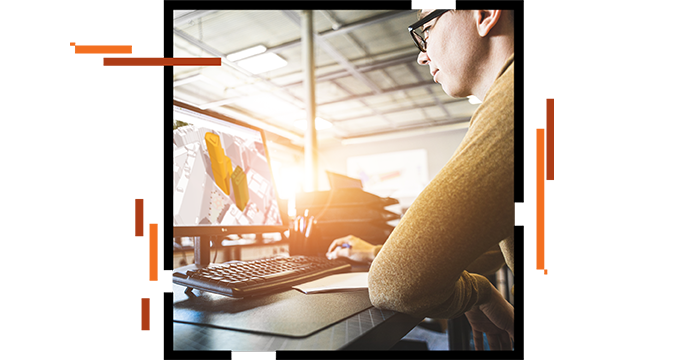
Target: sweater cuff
x,y
483,289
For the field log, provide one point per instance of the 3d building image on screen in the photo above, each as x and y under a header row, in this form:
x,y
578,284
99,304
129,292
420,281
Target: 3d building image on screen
x,y
221,174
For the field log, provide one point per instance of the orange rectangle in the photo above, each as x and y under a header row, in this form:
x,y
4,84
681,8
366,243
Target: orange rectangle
x,y
145,314
153,252
550,139
540,199
162,61
102,49
139,217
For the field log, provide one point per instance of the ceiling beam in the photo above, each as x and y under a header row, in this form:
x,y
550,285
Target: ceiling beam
x,y
345,28
364,103
184,19
336,55
384,92
407,131
405,108
348,67
366,22
362,68
286,95
327,77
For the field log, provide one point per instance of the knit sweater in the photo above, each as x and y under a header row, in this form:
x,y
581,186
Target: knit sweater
x,y
463,212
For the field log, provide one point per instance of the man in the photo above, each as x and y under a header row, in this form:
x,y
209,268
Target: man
x,y
468,207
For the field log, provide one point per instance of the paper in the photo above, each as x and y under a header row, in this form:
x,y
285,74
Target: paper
x,y
338,282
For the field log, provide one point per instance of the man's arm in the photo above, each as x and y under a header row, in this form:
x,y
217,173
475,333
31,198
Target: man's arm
x,y
465,210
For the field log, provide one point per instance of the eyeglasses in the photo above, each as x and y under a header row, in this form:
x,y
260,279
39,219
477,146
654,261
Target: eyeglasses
x,y
417,32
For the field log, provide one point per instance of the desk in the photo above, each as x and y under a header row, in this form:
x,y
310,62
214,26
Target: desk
x,y
370,329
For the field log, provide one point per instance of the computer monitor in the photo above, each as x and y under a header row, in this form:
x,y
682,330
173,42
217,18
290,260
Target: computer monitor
x,y
222,179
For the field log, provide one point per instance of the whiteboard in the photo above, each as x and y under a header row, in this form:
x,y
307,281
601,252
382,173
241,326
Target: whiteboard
x,y
401,174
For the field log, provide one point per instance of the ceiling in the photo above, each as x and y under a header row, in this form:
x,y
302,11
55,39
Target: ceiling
x,y
367,79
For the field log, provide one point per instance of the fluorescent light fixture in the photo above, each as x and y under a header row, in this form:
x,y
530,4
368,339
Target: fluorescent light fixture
x,y
239,55
321,124
262,63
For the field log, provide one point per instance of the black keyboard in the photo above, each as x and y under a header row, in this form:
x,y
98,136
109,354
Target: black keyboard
x,y
247,278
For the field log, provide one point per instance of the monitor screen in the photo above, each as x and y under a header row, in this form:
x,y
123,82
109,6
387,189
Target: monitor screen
x,y
222,180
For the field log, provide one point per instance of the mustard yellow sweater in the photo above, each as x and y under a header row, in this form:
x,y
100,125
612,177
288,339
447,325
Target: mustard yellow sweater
x,y
465,210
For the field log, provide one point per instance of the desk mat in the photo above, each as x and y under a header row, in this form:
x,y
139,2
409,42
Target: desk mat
x,y
289,313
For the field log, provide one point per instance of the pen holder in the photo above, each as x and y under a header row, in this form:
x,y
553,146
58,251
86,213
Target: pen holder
x,y
300,236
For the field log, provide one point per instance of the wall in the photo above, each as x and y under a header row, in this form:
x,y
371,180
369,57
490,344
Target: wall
x,y
439,146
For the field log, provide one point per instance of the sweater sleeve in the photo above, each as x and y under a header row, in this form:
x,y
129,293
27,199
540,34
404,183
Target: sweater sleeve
x,y
465,210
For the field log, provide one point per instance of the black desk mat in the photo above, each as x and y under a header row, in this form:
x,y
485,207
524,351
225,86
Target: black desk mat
x,y
290,313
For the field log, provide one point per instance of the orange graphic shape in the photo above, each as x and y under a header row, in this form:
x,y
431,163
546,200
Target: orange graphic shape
x,y
107,267
540,213
111,212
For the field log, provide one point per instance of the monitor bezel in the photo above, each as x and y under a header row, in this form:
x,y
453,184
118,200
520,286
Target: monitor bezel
x,y
225,230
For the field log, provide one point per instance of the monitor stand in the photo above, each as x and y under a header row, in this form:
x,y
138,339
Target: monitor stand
x,y
202,247
202,252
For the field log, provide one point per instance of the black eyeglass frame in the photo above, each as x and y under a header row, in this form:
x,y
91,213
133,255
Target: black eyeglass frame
x,y
417,39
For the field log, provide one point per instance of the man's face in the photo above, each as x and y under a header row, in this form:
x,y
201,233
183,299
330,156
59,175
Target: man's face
x,y
452,51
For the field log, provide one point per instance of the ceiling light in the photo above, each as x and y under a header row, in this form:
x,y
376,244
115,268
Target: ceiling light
x,y
262,63
321,124
239,55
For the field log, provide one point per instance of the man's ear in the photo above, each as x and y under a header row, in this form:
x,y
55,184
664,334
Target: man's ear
x,y
486,20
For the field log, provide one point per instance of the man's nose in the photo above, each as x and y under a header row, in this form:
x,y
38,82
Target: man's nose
x,y
423,58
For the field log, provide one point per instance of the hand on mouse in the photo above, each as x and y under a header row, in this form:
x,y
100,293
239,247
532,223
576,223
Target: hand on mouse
x,y
351,247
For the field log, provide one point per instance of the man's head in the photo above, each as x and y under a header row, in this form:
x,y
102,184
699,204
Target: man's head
x,y
465,49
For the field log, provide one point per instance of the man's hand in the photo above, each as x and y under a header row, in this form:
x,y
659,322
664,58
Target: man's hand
x,y
352,248
495,319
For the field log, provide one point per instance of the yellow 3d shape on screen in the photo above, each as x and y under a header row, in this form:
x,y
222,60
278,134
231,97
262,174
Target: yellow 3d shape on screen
x,y
240,188
224,175
220,163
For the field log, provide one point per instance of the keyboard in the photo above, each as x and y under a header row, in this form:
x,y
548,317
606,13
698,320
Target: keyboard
x,y
241,279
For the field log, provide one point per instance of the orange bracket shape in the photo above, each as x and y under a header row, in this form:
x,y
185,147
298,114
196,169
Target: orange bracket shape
x,y
540,213
112,306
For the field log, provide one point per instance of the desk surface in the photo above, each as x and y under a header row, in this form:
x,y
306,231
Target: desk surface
x,y
370,329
